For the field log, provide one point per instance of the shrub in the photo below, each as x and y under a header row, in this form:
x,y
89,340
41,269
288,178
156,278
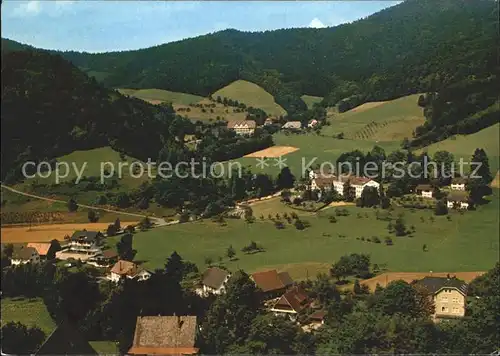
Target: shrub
x,y
376,239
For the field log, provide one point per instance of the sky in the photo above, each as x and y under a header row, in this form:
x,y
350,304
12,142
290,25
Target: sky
x,y
99,26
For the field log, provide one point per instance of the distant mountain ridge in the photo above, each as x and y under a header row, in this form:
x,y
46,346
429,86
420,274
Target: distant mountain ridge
x,y
415,46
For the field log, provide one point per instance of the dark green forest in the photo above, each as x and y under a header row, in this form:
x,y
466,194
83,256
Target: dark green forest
x,y
416,46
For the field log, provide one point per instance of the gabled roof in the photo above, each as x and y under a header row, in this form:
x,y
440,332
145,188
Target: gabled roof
x,y
434,284
66,340
164,335
317,315
270,280
109,254
292,125
251,124
23,253
89,236
125,268
214,277
459,180
41,247
458,196
295,299
424,187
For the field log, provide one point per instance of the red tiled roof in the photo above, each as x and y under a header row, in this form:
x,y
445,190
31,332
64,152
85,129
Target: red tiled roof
x,y
318,315
125,268
42,248
295,298
270,280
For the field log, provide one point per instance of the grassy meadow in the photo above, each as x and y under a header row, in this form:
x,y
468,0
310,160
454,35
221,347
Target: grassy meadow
x,y
311,100
30,312
467,242
251,95
382,121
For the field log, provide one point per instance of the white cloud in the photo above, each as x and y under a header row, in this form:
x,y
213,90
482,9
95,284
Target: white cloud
x,y
29,8
316,23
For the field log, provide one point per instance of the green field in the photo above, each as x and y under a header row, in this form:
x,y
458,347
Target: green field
x,y
30,312
33,312
311,146
463,146
251,95
383,121
468,242
311,100
160,95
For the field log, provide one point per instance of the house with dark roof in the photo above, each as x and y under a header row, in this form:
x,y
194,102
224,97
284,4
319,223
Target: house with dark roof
x,y
458,183
127,269
214,281
425,190
106,258
291,303
271,283
165,335
85,242
315,320
448,293
458,200
23,255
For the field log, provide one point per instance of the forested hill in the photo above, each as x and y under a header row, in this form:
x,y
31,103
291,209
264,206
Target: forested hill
x,y
416,46
51,108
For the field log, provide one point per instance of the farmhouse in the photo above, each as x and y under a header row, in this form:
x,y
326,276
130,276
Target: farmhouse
x,y
41,247
127,269
425,190
245,127
337,183
316,320
23,255
448,293
458,200
272,283
458,183
214,281
292,125
164,335
291,303
105,259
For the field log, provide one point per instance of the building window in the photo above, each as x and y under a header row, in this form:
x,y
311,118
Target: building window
x,y
444,299
444,309
455,310
455,300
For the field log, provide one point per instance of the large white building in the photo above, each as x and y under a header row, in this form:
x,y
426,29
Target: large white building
x,y
357,183
245,127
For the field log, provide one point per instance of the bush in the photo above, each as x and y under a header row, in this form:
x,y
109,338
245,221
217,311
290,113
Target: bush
x,y
376,239
388,241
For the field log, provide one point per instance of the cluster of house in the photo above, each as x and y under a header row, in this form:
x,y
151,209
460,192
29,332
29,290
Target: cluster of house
x,y
325,181
247,127
85,246
457,198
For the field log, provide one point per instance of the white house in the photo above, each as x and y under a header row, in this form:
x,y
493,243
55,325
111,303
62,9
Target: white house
x,y
313,123
245,127
127,269
425,190
458,200
458,184
357,183
24,255
85,242
214,281
292,125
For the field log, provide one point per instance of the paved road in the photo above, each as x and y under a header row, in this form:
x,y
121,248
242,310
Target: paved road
x,y
157,221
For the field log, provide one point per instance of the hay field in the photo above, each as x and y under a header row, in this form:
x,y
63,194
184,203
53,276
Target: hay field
x,y
272,152
48,232
251,95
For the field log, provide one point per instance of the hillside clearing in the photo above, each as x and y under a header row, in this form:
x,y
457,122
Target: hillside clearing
x,y
311,100
378,121
251,95
30,312
156,96
48,232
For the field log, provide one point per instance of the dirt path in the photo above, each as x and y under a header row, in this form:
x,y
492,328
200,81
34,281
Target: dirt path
x,y
158,221
337,204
